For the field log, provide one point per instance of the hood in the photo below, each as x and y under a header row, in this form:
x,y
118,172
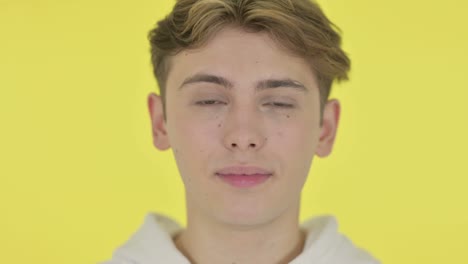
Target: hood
x,y
152,243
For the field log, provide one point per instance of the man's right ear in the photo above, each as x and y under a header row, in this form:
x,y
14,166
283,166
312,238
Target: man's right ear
x,y
158,127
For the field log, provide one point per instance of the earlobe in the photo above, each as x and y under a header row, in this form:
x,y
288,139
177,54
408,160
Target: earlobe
x,y
158,127
331,115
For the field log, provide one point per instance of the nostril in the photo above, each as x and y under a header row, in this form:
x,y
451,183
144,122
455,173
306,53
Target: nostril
x,y
251,145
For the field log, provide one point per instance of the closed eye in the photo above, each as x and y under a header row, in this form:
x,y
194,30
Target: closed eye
x,y
208,102
214,102
281,105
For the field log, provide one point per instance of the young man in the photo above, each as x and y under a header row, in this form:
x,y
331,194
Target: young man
x,y
244,106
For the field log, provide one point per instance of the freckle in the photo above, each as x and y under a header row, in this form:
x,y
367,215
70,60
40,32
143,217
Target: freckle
x,y
219,125
287,116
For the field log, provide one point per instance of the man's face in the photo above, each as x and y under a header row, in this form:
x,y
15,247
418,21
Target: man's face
x,y
241,117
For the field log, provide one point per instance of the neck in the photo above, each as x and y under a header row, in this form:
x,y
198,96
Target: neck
x,y
207,241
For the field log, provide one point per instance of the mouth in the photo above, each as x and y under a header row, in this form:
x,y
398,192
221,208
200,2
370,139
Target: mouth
x,y
244,170
244,177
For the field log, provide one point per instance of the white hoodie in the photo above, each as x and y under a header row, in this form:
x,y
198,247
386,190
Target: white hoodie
x,y
153,244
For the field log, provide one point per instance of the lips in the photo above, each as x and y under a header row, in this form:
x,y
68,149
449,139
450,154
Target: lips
x,y
244,170
244,176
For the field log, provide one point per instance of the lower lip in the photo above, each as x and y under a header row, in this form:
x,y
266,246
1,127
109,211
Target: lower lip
x,y
244,181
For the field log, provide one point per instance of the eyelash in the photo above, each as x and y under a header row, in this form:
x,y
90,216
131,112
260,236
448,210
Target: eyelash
x,y
278,104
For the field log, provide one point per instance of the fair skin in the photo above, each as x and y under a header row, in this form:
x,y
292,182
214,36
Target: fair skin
x,y
242,126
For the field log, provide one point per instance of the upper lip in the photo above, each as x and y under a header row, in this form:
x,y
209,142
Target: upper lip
x,y
247,170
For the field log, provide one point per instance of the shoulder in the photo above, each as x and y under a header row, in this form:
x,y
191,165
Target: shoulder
x,y
150,243
325,244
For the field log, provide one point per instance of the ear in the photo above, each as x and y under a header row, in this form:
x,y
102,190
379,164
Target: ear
x,y
158,125
331,116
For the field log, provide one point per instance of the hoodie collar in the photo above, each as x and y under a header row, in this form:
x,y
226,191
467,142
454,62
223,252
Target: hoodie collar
x,y
152,243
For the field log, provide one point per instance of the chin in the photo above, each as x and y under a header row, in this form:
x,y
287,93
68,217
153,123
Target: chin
x,y
243,218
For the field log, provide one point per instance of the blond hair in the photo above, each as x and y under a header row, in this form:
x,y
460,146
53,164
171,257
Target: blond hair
x,y
300,26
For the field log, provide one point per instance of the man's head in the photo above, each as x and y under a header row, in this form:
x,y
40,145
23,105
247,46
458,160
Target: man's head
x,y
299,26
237,91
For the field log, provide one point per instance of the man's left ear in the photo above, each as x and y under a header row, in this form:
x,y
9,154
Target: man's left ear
x,y
331,116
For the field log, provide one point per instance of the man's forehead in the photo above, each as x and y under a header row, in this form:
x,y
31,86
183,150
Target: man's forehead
x,y
260,85
272,66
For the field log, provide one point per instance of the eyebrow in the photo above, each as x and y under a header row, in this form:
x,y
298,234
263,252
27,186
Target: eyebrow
x,y
261,85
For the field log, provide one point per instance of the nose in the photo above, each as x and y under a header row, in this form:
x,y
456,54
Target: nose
x,y
243,130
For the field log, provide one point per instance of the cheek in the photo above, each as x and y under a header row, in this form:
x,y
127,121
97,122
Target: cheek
x,y
299,138
196,137
296,146
193,145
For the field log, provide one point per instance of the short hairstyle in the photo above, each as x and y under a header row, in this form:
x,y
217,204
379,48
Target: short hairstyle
x,y
300,26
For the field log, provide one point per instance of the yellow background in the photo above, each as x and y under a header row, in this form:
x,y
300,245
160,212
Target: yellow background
x,y
78,170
